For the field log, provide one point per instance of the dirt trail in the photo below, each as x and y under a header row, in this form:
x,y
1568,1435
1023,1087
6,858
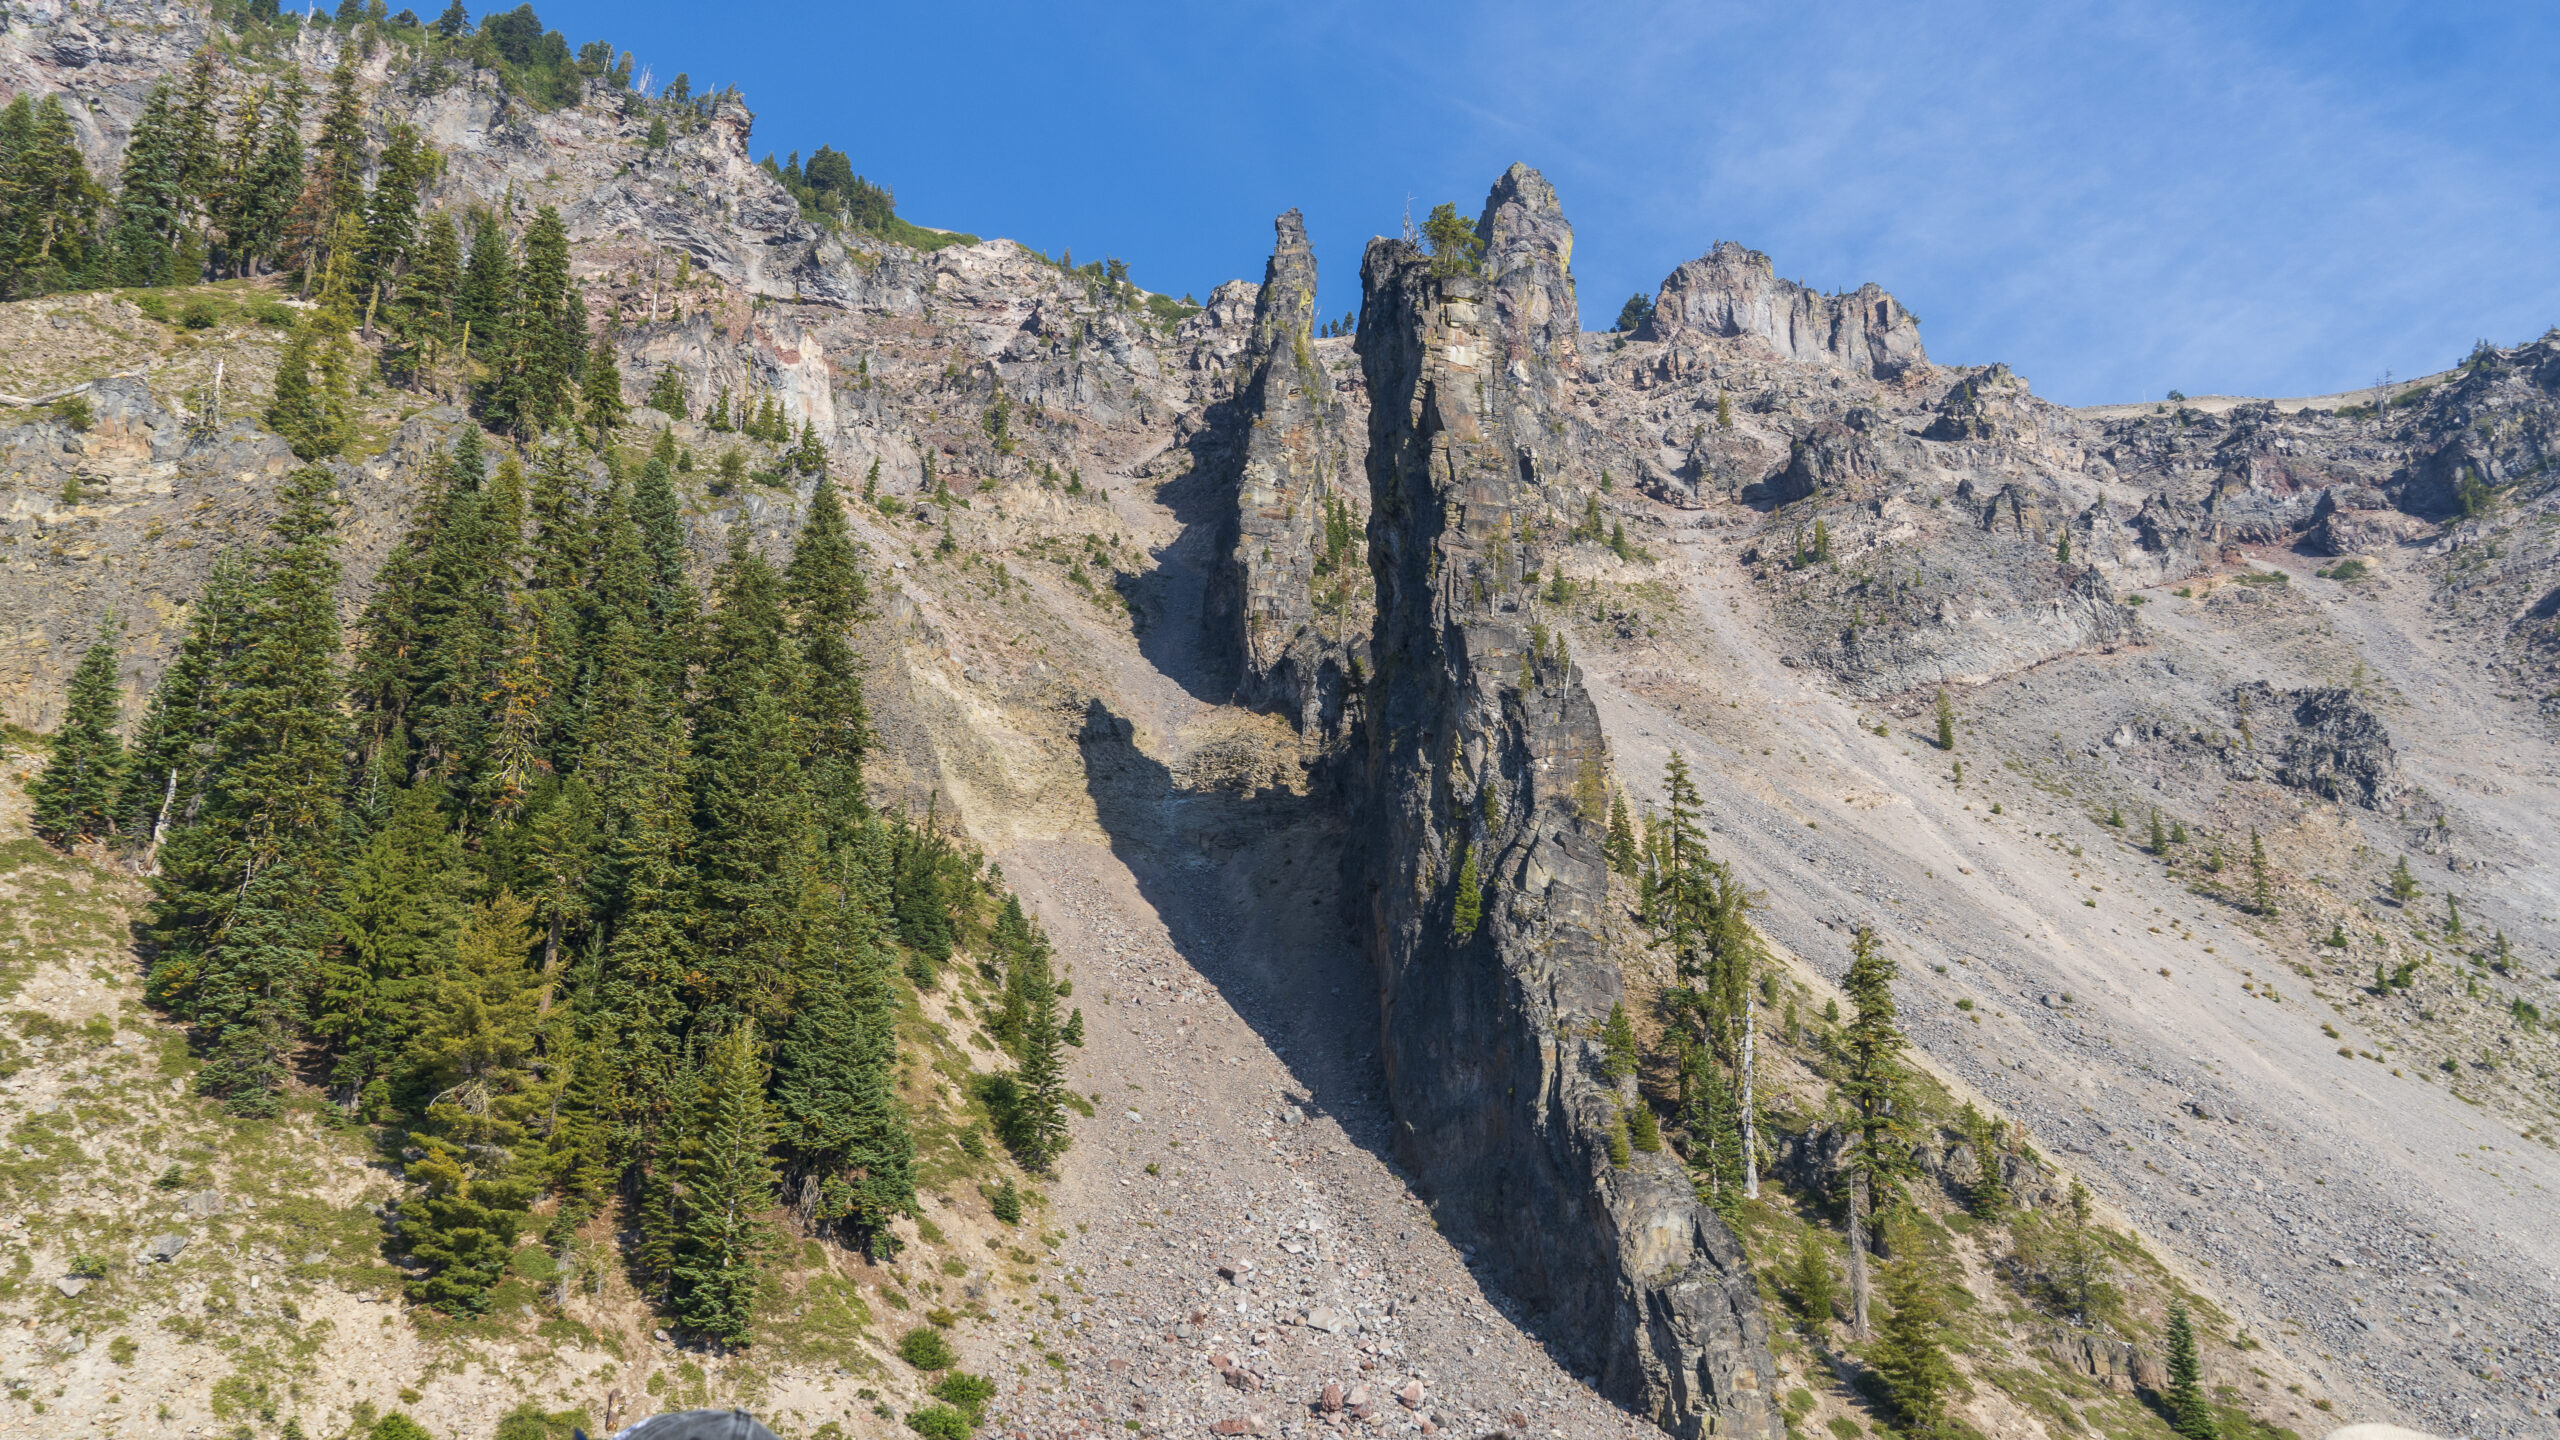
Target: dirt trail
x,y
1239,1115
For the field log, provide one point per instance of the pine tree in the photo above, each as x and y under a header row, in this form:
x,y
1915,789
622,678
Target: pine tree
x,y
1910,1353
165,773
2079,1262
1989,1192
1621,845
254,220
2404,886
2159,837
1618,1044
488,286
828,598
74,799
835,1079
462,1230
2452,917
400,905
1644,1131
150,197
729,1180
1466,911
1040,1108
758,849
2184,1400
1074,1033
666,393
2264,895
545,329
601,404
1946,721
1871,1082
240,910
919,899
718,420
313,407
49,203
1809,1281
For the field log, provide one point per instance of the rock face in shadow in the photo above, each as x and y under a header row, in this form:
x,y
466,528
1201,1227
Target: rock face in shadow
x,y
1281,591
1732,292
1485,755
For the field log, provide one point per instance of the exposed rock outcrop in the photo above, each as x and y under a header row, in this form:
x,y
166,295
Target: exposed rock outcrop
x,y
1277,571
2322,741
1500,1101
1733,292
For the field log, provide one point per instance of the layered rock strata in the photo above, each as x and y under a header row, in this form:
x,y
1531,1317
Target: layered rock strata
x,y
1485,771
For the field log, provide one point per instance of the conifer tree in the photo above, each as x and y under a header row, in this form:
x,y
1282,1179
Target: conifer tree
x,y
2189,1415
341,146
718,420
672,602
424,306
488,286
1946,721
1910,1354
49,203
1644,1131
758,850
150,196
1618,1044
2263,896
461,1230
313,407
165,774
729,1180
1073,1034
1871,1082
834,1087
828,597
74,799
920,899
2159,837
398,908
1467,910
2079,1263
262,199
1809,1282
545,330
601,404
474,1053
666,393
1040,1109
2404,886
1989,1191
240,910
1622,836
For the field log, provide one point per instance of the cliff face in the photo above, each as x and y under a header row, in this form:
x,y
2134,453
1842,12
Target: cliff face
x,y
1485,756
1732,292
1281,591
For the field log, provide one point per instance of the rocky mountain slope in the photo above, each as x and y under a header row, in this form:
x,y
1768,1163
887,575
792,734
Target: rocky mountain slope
x,y
1233,644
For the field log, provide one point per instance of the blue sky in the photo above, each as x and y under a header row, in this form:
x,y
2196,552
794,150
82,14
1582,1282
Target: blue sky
x,y
2114,199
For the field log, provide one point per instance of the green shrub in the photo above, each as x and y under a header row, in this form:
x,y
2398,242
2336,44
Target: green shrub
x,y
200,313
969,1393
396,1426
924,1348
73,412
939,1422
274,314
